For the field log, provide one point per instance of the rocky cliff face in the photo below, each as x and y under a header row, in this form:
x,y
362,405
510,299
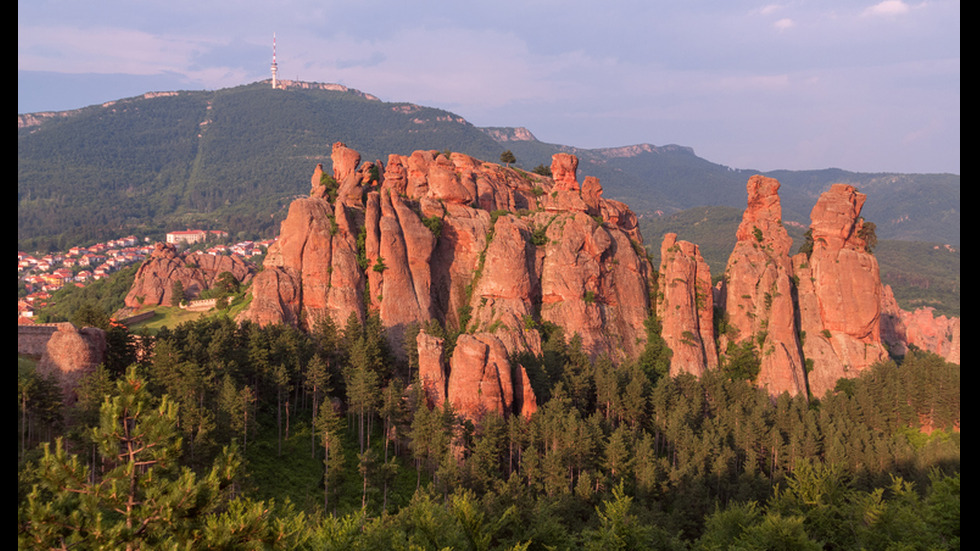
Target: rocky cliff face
x,y
685,307
153,283
826,312
759,292
920,328
493,252
839,292
473,245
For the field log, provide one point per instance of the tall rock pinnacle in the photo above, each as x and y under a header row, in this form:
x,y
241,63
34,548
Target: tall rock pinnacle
x,y
685,307
840,292
759,291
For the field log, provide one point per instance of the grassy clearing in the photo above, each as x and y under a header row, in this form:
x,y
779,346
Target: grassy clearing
x,y
172,316
169,316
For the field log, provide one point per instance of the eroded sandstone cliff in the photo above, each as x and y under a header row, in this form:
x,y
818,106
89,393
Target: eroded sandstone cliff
x,y
492,253
685,307
839,288
758,291
812,318
489,250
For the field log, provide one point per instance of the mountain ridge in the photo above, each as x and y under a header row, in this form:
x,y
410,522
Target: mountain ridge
x,y
233,156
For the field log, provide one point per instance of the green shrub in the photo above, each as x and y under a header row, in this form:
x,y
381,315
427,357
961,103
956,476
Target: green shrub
x,y
434,223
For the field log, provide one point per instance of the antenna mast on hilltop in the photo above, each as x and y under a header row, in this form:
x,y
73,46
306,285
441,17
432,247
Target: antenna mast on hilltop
x,y
275,68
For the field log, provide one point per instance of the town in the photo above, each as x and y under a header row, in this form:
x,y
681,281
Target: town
x,y
39,276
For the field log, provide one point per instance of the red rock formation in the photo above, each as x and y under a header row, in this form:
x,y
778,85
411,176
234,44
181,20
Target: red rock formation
x,y
893,333
507,288
345,161
429,248
70,354
480,377
275,298
566,195
153,283
314,265
403,263
317,189
563,168
525,402
592,193
920,328
839,292
685,307
758,291
937,334
432,368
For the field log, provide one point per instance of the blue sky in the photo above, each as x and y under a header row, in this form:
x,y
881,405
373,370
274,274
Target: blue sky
x,y
863,85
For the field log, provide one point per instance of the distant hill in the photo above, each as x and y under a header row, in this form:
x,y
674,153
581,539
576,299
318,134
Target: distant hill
x,y
228,159
671,178
234,159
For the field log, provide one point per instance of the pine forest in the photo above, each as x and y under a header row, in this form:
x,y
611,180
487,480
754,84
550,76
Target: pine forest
x,y
236,436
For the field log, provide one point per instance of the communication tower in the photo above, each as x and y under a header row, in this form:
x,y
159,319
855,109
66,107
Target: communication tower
x,y
275,68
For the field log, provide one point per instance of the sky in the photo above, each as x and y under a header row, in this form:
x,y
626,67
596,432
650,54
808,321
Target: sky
x,y
862,85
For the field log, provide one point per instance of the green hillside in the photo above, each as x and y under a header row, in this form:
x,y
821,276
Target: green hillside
x,y
234,159
230,159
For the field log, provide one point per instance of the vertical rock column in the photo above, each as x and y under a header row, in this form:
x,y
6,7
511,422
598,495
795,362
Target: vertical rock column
x,y
840,292
685,307
759,291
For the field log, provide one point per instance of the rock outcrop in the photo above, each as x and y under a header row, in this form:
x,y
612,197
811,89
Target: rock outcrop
x,y
685,307
473,245
840,290
70,354
491,253
432,368
825,311
153,283
480,378
937,334
758,291
920,328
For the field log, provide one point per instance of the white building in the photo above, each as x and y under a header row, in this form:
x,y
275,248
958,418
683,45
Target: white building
x,y
189,236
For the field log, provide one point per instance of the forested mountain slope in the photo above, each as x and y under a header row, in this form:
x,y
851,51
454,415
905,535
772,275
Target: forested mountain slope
x,y
234,158
229,159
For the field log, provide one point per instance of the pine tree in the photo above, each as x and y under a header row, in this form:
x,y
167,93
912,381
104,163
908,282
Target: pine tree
x,y
617,460
316,381
177,293
619,528
142,500
280,378
328,427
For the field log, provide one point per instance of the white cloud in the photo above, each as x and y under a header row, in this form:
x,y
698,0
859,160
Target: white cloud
x,y
769,9
887,8
101,50
783,24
